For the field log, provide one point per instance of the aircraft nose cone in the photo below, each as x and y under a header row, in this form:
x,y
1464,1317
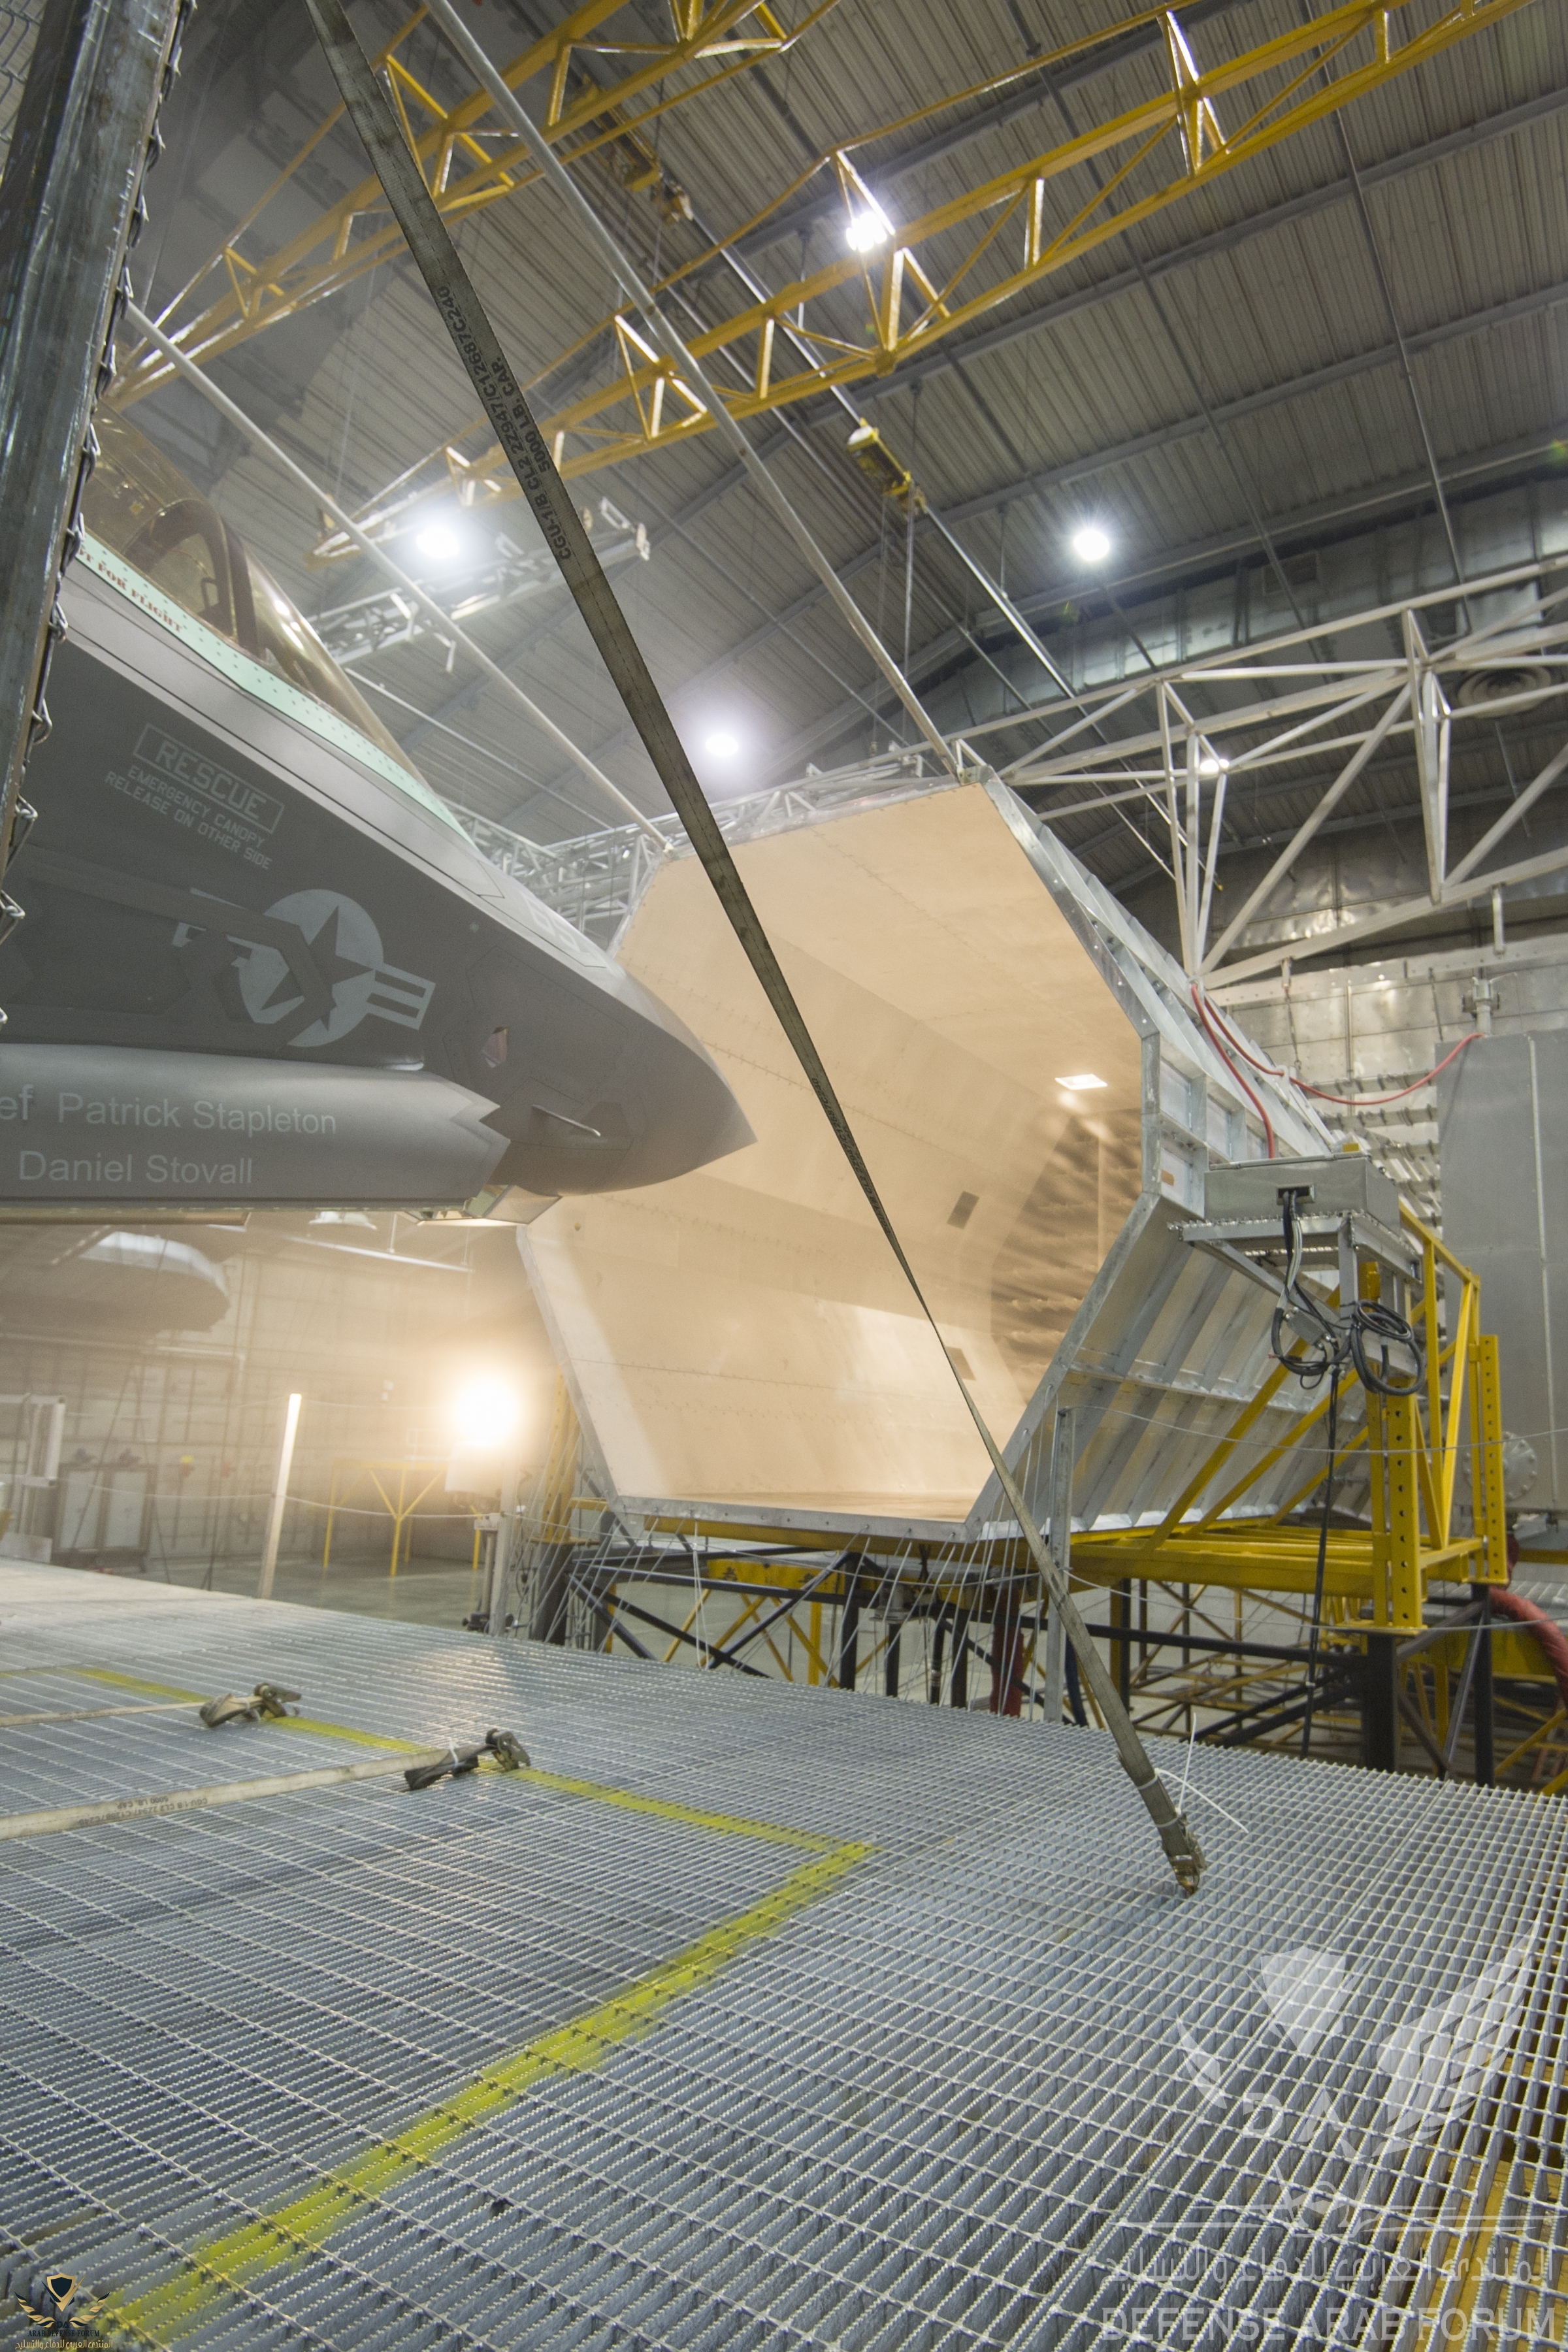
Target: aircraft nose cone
x,y
655,1106
688,1114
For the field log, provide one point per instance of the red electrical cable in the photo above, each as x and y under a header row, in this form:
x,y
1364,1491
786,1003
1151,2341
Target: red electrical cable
x,y
1218,1045
1414,1089
1321,1094
1548,1633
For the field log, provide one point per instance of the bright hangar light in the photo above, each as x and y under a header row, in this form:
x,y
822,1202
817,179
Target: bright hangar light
x,y
1092,544
484,1416
1084,1083
439,542
724,743
869,228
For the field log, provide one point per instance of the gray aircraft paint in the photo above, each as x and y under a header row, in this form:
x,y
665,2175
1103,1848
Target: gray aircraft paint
x,y
118,1124
225,872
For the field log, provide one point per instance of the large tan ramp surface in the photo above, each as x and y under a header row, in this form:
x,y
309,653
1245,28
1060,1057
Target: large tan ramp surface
x,y
743,1335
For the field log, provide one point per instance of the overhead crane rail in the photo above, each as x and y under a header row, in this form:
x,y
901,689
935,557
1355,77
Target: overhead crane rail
x,y
897,290
713,41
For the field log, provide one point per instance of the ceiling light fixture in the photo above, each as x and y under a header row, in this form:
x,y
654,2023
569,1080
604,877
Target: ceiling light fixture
x,y
1083,1083
867,229
1092,544
722,745
439,542
1212,764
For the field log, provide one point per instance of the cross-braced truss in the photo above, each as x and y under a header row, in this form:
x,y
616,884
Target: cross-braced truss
x,y
1330,697
897,290
603,98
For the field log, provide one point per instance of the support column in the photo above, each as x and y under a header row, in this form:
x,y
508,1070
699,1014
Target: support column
x,y
1488,1497
848,1666
1394,1441
279,1500
1007,1652
1121,1617
938,1646
500,1556
1481,1719
1057,1660
961,1657
550,1593
1380,1704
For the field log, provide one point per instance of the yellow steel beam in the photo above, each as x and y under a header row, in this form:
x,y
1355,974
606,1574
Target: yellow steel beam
x,y
866,312
1423,1233
1256,1567
1487,1494
1397,1592
1429,1314
1294,1502
1517,1656
233,297
1466,1323
1274,1559
1213,1462
1540,1737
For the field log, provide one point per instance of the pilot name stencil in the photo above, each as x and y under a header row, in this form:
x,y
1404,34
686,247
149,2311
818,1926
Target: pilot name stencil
x,y
157,1110
235,1175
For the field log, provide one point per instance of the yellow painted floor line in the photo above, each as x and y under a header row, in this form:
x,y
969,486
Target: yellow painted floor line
x,y
96,1714
599,1791
134,1682
1469,2265
226,2265
280,1723
662,1809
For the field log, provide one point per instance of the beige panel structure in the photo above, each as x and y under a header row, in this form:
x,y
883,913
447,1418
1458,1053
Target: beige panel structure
x,y
741,1337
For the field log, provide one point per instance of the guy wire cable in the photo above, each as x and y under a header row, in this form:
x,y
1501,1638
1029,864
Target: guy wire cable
x,y
555,512
643,298
693,375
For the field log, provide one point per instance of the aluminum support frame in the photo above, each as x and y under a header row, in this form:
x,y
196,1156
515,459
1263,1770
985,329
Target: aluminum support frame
x,y
70,208
1179,736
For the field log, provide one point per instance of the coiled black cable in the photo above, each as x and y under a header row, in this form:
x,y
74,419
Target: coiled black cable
x,y
1329,1342
1332,1340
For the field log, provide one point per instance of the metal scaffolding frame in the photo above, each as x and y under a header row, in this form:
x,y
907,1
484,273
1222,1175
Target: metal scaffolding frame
x,y
1407,1633
900,290
247,285
1178,738
72,205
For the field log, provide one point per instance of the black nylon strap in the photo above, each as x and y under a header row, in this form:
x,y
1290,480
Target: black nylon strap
x,y
476,346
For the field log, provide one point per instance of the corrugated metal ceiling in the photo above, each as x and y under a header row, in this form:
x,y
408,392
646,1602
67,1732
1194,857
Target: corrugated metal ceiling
x,y
365,383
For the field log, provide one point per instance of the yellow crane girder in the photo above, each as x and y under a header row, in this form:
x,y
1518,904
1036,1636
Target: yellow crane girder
x,y
867,313
233,297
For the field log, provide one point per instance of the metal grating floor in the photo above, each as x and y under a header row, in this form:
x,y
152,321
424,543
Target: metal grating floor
x,y
863,2025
